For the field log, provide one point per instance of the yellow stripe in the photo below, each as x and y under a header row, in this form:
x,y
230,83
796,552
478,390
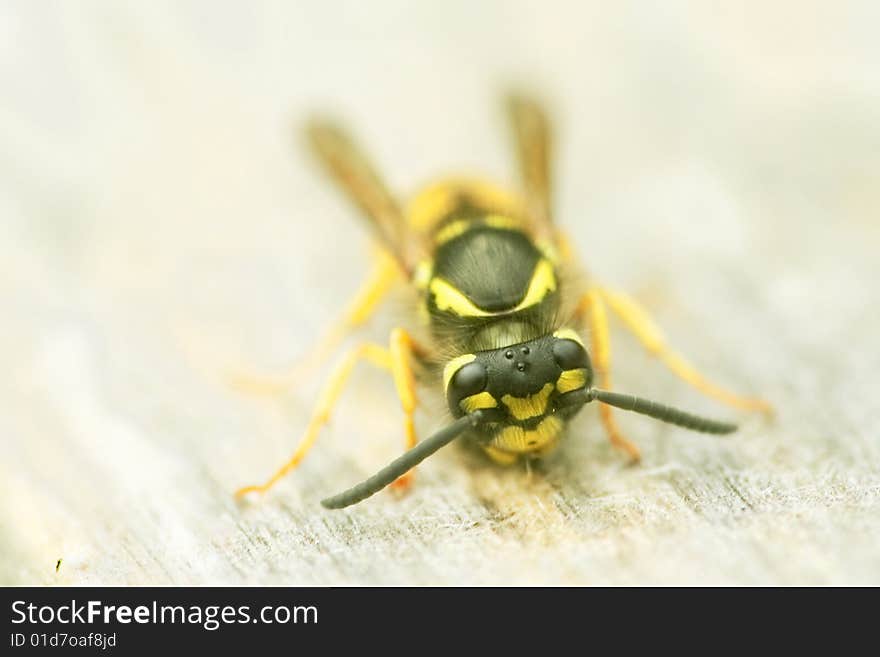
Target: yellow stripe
x,y
452,230
543,282
517,439
448,297
502,221
522,408
454,365
571,380
480,400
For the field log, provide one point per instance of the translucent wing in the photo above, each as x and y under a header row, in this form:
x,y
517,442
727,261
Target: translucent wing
x,y
351,169
534,145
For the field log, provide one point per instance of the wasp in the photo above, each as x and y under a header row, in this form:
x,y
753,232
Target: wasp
x,y
504,312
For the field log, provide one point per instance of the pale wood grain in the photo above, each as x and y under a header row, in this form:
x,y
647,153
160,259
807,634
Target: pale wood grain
x,y
149,246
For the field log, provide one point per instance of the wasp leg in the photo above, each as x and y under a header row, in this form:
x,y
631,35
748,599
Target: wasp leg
x,y
332,389
394,359
647,332
361,309
594,307
402,351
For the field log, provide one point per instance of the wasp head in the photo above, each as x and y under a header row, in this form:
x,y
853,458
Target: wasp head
x,y
526,381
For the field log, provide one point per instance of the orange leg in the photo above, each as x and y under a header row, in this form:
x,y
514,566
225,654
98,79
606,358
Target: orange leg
x,y
403,350
641,325
594,308
396,359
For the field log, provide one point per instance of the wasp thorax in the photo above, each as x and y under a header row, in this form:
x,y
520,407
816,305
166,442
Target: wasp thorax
x,y
526,379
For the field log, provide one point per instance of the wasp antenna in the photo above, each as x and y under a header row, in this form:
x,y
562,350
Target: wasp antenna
x,y
404,463
661,412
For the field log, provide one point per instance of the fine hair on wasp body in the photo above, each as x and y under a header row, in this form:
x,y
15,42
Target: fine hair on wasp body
x,y
504,309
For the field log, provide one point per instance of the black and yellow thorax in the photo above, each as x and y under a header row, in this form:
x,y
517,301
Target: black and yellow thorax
x,y
484,269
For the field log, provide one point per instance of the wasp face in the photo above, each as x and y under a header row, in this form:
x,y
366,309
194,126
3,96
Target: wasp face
x,y
528,380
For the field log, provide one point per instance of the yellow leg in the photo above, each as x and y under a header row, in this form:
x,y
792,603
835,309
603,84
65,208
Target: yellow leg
x,y
361,308
594,308
395,359
402,351
637,320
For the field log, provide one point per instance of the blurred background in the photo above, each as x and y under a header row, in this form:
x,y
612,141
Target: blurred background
x,y
161,225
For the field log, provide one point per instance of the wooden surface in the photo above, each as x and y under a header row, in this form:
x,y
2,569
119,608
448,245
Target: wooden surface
x,y
160,225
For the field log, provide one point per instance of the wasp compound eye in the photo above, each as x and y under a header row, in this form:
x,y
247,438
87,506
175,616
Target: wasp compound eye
x,y
468,381
570,355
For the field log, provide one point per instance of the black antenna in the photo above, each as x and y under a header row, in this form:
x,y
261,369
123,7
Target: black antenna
x,y
410,459
406,462
660,411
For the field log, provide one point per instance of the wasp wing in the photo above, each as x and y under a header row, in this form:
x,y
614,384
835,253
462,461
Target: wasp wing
x,y
534,143
354,173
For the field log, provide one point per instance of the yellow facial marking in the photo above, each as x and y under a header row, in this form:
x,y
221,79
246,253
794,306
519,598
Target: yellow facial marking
x,y
522,408
480,400
517,439
448,297
454,365
571,380
568,334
